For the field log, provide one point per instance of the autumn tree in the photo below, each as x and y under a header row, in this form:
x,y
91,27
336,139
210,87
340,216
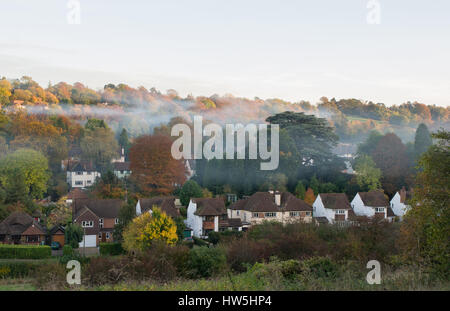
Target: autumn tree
x,y
148,228
153,168
309,196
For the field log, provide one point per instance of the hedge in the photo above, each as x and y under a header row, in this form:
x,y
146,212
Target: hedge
x,y
111,249
8,251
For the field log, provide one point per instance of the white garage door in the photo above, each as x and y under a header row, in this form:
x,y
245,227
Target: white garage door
x,y
91,241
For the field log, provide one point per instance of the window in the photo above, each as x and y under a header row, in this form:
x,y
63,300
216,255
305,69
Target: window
x,y
79,183
237,213
89,173
79,173
269,215
101,222
87,224
255,215
294,214
107,235
116,221
308,213
340,212
99,235
379,209
32,238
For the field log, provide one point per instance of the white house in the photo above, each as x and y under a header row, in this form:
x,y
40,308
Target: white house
x,y
278,206
209,214
335,207
81,174
399,202
372,203
121,169
166,204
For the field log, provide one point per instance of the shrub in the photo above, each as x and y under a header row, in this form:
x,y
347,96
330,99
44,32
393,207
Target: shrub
x,y
321,267
111,249
25,251
205,262
50,276
67,250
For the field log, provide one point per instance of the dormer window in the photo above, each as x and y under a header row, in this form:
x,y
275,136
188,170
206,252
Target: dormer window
x,y
116,221
340,211
379,209
87,224
101,222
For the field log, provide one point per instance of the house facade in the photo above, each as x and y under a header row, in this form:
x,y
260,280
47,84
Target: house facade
x,y
332,208
121,169
283,207
97,218
399,202
81,174
209,214
21,228
372,204
166,204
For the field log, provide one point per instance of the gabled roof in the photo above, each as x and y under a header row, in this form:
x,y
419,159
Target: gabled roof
x,y
374,198
265,202
166,204
209,206
121,166
108,208
335,201
76,194
55,229
80,166
17,223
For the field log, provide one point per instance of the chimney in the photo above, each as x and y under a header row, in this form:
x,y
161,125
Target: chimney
x,y
277,198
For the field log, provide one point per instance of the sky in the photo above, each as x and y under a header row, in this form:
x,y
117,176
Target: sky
x,y
293,50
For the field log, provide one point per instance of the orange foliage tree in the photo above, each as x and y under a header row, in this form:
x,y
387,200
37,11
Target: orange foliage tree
x,y
153,168
309,196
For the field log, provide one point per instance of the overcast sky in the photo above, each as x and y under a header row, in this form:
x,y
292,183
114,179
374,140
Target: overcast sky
x,y
294,50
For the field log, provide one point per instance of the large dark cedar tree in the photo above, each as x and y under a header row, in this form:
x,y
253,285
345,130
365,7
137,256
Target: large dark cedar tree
x,y
154,169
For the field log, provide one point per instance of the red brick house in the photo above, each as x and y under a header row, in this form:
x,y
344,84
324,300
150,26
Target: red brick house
x,y
97,218
21,228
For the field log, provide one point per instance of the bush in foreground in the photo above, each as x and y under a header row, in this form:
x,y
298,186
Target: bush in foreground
x,y
25,251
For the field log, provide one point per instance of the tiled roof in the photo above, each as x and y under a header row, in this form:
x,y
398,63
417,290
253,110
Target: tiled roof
x,y
108,208
335,201
209,206
17,222
80,166
166,204
77,193
265,202
121,166
374,198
